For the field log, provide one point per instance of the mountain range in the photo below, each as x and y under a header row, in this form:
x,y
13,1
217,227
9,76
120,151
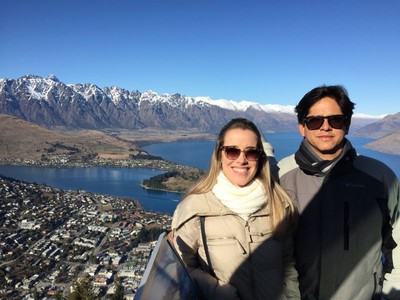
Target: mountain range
x,y
50,103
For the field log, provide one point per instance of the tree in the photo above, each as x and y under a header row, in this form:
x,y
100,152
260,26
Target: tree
x,y
119,292
35,294
58,296
83,290
93,259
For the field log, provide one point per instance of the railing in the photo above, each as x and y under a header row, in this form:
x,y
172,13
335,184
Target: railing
x,y
165,276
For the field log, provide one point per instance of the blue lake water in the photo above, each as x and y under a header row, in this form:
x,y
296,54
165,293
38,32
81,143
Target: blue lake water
x,y
125,182
121,182
197,154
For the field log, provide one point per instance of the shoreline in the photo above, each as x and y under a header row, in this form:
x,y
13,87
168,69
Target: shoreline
x,y
162,190
161,165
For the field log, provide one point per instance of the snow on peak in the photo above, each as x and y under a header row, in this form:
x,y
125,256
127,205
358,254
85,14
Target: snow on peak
x,y
117,94
151,96
53,77
366,116
37,86
244,105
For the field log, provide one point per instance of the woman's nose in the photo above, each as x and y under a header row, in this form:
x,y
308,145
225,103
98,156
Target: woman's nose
x,y
242,157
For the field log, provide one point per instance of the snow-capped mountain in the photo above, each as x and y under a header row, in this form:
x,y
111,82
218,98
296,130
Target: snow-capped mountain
x,y
51,103
244,105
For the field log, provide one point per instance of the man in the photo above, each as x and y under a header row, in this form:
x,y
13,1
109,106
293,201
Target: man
x,y
348,205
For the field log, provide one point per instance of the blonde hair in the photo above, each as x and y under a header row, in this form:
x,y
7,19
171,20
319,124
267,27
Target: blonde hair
x,y
283,211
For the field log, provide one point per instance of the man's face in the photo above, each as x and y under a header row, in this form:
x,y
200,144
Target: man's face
x,y
326,141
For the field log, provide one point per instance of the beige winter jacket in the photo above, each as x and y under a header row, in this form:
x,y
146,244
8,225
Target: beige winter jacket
x,y
247,261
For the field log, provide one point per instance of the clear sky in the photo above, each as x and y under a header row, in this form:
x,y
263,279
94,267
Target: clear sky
x,y
270,52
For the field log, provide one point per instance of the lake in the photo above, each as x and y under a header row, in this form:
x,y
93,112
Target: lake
x,y
126,182
197,154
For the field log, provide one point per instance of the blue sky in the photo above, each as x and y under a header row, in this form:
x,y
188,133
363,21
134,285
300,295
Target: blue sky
x,y
270,52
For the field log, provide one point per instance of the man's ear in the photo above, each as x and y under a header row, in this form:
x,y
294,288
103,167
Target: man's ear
x,y
347,127
301,128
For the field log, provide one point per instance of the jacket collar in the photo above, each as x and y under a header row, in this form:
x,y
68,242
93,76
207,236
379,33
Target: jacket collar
x,y
204,205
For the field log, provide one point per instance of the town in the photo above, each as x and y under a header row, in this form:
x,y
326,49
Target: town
x,y
178,178
50,238
67,161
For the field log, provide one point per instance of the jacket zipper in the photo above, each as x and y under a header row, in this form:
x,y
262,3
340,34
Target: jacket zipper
x,y
249,240
346,225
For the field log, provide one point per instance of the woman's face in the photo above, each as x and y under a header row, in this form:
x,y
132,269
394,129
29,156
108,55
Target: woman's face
x,y
239,171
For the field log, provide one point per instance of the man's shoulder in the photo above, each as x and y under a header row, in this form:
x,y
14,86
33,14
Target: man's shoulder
x,y
286,164
373,167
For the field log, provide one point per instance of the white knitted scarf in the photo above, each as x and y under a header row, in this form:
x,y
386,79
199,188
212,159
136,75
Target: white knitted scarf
x,y
241,200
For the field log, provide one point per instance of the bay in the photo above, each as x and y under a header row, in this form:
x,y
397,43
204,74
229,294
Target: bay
x,y
198,153
126,182
114,181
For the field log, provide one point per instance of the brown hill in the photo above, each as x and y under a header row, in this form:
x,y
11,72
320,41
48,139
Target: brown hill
x,y
388,144
21,139
381,128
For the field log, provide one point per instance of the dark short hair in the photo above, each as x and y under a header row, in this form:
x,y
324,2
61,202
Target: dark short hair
x,y
336,92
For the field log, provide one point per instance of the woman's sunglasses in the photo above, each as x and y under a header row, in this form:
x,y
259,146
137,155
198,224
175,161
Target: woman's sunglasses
x,y
335,121
232,153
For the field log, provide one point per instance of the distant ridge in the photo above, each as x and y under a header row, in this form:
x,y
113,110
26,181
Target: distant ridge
x,y
381,128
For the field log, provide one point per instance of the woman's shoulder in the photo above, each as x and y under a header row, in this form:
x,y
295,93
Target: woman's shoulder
x,y
194,205
192,202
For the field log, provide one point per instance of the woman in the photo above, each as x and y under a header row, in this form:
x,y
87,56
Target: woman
x,y
247,221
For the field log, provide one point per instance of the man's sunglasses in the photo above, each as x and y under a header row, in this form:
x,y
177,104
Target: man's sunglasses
x,y
232,153
335,121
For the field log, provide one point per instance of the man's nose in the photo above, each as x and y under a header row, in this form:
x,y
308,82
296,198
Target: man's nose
x,y
326,125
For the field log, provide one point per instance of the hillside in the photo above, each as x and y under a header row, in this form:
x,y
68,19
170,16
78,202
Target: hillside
x,y
388,144
386,133
381,128
22,139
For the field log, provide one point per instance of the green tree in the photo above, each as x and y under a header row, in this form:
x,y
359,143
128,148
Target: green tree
x,y
83,290
35,294
119,292
93,259
58,296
